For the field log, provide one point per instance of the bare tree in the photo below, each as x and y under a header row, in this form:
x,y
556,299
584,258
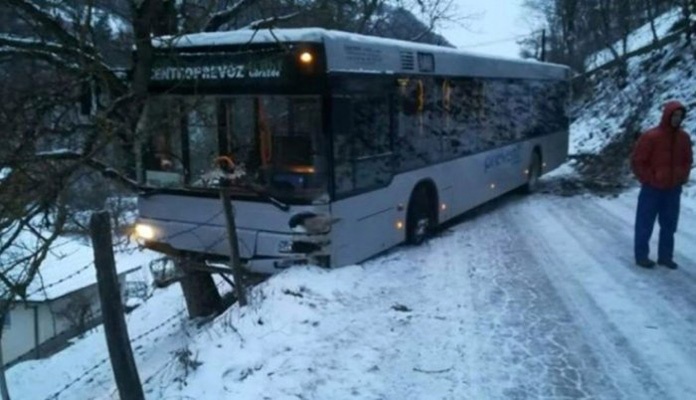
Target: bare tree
x,y
579,29
48,60
67,106
435,13
650,9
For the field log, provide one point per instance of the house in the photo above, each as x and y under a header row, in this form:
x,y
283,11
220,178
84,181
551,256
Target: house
x,y
61,303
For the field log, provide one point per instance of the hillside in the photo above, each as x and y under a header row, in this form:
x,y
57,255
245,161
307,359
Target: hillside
x,y
611,109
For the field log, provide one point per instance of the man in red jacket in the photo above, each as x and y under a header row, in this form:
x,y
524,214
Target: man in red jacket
x,y
662,162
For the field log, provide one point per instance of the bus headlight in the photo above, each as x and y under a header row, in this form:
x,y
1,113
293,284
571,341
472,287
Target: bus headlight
x,y
306,57
145,231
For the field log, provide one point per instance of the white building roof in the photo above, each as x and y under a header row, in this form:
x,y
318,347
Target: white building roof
x,y
69,267
5,172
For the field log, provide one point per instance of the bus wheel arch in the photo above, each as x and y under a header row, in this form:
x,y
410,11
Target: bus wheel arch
x,y
534,171
422,215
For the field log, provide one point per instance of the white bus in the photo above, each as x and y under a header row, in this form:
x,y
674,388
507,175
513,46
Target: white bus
x,y
335,146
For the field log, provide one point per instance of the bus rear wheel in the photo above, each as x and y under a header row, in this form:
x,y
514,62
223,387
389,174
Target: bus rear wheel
x,y
420,219
534,174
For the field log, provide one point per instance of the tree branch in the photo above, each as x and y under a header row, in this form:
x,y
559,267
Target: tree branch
x,y
67,43
10,54
270,22
40,255
47,21
103,168
221,18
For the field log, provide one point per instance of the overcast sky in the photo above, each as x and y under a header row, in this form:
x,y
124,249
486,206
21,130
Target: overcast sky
x,y
499,22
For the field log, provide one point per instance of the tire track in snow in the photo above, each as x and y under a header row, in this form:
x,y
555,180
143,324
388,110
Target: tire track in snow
x,y
545,347
616,306
620,363
518,340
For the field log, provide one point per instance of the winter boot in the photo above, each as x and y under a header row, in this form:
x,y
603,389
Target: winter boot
x,y
646,263
669,264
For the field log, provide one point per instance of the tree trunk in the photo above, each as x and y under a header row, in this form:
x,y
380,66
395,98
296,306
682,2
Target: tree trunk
x,y
141,139
201,294
651,16
686,11
605,34
570,15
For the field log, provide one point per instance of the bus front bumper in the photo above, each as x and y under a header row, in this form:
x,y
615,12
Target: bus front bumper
x,y
260,252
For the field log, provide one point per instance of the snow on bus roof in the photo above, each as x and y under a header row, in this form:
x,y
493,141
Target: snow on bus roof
x,y
316,35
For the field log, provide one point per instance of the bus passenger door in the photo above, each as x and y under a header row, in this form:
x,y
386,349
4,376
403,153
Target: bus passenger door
x,y
363,168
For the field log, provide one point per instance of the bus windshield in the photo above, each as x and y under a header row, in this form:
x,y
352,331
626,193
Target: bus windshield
x,y
269,143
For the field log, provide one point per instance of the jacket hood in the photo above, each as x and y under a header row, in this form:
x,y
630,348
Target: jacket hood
x,y
670,108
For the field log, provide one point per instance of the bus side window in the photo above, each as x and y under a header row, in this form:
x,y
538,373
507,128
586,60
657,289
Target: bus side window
x,y
466,111
342,145
415,145
545,96
496,125
372,146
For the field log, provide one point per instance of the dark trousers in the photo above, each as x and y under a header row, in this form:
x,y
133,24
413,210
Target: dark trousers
x,y
662,204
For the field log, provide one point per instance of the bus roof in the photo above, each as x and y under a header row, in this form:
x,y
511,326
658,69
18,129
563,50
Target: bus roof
x,y
351,52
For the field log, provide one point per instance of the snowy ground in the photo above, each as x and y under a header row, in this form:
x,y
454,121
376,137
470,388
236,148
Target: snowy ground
x,y
527,298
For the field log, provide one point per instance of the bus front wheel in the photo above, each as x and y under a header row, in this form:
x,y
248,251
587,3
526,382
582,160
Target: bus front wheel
x,y
420,220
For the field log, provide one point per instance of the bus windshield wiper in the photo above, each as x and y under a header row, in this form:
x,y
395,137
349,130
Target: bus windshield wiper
x,y
147,191
225,183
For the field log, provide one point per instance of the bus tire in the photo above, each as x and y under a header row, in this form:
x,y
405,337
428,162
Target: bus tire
x,y
534,174
420,218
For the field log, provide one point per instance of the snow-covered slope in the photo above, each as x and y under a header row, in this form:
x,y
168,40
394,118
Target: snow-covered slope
x,y
611,108
640,37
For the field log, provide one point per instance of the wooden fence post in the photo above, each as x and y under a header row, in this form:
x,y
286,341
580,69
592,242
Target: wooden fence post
x,y
117,340
237,272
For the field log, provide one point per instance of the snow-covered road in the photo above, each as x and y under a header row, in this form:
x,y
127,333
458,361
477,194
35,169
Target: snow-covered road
x,y
527,298
535,298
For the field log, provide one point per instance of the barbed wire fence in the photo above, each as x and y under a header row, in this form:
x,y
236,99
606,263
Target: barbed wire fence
x,y
92,371
209,245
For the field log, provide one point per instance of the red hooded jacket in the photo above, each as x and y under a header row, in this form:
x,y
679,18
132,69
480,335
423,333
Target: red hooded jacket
x,y
662,157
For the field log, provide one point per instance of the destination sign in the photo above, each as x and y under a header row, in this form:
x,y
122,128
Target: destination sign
x,y
205,68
